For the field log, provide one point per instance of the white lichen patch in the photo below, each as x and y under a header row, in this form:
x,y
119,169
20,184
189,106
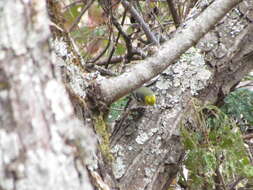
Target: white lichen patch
x,y
152,131
163,84
119,168
149,172
130,148
60,47
78,79
78,85
117,149
190,72
201,81
142,138
146,181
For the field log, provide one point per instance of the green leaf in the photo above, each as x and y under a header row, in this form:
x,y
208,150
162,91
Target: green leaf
x,y
248,170
210,161
214,142
73,12
239,104
116,109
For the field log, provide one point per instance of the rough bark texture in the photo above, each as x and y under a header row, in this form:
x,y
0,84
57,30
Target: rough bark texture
x,y
228,52
147,150
42,144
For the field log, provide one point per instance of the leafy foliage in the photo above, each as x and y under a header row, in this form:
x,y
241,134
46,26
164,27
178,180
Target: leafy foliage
x,y
117,108
249,77
216,152
98,38
239,105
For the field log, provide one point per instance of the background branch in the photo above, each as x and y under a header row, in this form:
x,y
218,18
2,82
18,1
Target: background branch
x,y
173,12
151,37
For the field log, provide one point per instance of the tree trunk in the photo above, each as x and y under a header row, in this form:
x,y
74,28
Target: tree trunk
x,y
41,141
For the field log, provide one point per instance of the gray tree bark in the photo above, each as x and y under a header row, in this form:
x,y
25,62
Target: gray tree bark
x,y
41,140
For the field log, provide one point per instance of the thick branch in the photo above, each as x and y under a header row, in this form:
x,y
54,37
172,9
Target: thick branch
x,y
114,88
237,63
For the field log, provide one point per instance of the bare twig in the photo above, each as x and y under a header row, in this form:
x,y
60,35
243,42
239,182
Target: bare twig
x,y
232,185
248,136
220,179
72,4
117,59
103,52
189,6
117,39
150,36
102,70
174,14
81,14
124,35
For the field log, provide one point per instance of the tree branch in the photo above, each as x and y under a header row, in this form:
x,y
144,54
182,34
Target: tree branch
x,y
173,12
114,88
151,37
80,16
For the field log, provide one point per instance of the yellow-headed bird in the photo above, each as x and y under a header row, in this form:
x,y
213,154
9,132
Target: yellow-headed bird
x,y
145,96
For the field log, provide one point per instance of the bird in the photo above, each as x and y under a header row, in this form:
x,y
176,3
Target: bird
x,y
144,96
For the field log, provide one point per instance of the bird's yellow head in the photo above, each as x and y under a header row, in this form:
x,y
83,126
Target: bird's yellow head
x,y
150,100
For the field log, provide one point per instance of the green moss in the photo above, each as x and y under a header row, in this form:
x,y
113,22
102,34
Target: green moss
x,y
101,130
4,85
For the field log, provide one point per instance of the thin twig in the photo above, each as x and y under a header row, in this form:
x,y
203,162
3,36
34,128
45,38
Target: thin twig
x,y
189,6
221,178
72,4
117,59
125,37
150,36
248,136
103,52
81,14
174,14
233,184
102,70
117,39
